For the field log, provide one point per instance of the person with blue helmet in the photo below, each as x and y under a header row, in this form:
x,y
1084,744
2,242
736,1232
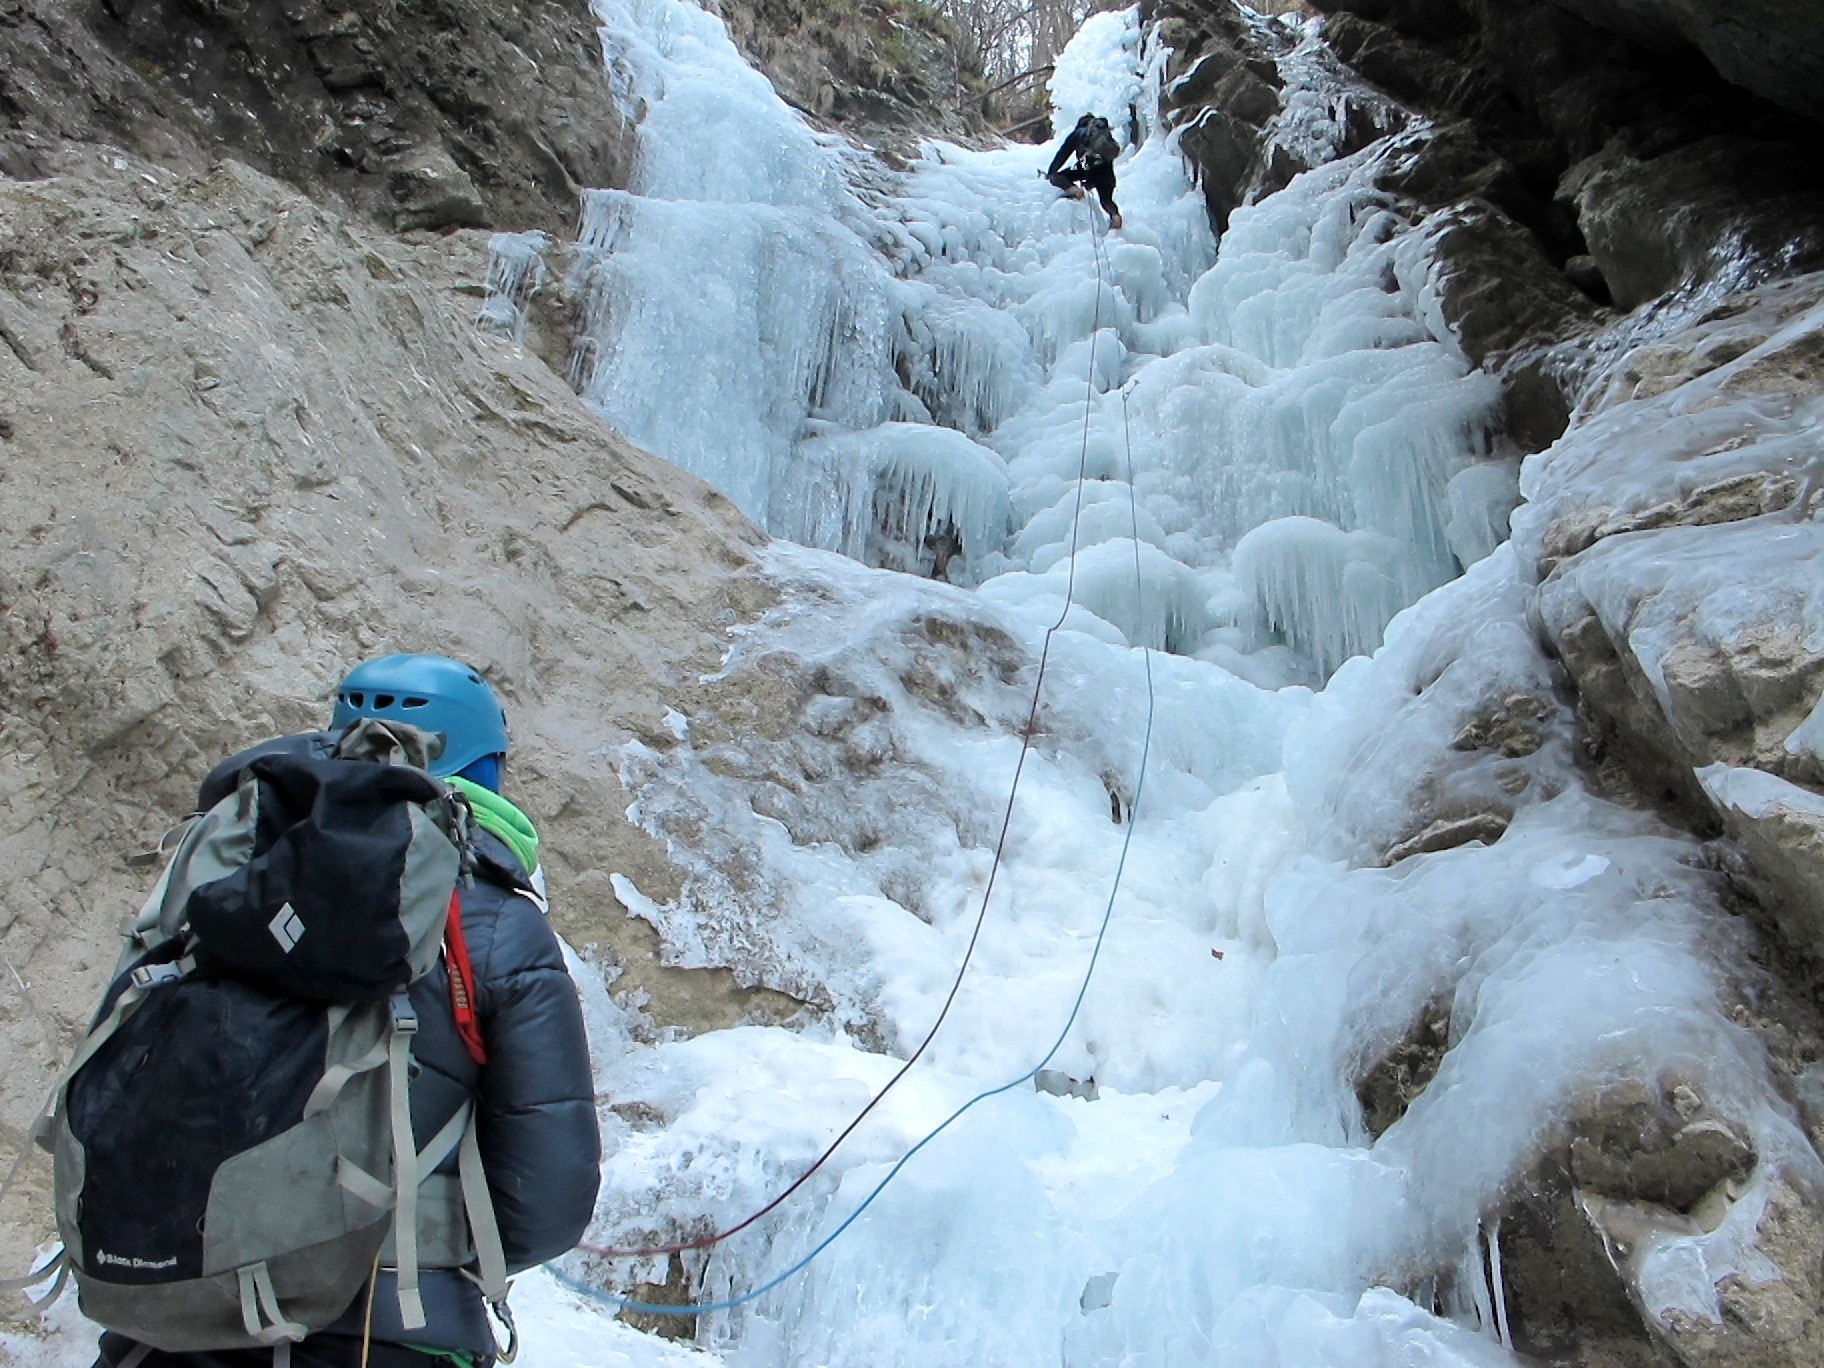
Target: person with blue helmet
x,y
532,1084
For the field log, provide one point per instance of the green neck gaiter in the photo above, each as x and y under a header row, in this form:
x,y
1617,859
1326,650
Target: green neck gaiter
x,y
497,816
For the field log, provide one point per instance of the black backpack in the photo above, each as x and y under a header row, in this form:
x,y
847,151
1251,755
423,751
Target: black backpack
x,y
1098,147
233,1142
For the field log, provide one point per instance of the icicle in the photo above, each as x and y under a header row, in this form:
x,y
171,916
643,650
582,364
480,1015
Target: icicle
x,y
516,268
921,499
1498,1284
1477,1271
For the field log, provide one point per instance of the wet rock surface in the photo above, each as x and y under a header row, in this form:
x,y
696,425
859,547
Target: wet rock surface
x,y
884,71
1567,1302
1386,1089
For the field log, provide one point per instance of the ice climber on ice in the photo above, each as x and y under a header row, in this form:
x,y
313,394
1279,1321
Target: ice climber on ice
x,y
1093,144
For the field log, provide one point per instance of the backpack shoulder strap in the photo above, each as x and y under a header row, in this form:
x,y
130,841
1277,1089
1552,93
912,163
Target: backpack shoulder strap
x,y
405,1160
484,1229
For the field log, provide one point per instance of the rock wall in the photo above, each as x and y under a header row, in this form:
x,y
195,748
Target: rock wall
x,y
432,116
886,72
1773,47
1633,242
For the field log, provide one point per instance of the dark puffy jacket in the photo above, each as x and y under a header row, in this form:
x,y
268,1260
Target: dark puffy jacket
x,y
536,1093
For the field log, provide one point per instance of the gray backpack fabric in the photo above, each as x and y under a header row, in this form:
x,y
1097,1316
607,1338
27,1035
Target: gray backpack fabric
x,y
232,1143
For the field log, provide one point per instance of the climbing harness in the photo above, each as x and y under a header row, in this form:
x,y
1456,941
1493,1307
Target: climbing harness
x,y
695,1308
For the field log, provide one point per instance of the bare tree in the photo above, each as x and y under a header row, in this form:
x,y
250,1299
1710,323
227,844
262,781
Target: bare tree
x,y
1010,39
1052,24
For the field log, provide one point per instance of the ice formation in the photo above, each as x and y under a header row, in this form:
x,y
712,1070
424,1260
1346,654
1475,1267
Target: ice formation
x,y
911,486
729,297
1265,462
516,267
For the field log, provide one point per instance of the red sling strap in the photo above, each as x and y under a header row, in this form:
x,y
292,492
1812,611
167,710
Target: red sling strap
x,y
462,982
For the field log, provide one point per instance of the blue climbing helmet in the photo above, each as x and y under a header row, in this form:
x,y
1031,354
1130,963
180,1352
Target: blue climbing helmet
x,y
437,694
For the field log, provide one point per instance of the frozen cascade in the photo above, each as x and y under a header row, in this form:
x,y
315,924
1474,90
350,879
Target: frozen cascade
x,y
901,486
729,297
1310,483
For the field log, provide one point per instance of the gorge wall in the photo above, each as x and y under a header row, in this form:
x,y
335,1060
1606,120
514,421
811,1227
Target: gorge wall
x,y
1627,218
250,433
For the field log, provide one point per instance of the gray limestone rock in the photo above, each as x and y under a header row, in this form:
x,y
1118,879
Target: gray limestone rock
x,y
1448,833
246,443
1224,85
1723,211
888,75
1781,830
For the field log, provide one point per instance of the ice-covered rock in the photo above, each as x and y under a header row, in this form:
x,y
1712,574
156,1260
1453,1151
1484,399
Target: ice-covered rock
x,y
1677,520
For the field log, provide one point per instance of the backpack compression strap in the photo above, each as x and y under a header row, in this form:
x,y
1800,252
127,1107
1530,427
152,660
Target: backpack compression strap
x,y
395,1050
490,1258
405,1160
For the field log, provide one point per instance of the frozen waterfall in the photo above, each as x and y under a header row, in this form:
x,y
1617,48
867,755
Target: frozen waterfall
x,y
1264,460
1308,446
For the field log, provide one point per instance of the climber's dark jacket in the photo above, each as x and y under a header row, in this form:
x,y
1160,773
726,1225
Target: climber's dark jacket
x,y
1100,177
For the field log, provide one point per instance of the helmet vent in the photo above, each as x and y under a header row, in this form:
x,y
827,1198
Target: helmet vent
x,y
384,700
415,702
356,700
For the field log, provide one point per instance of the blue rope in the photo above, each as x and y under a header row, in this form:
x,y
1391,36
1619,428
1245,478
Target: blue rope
x,y
1133,813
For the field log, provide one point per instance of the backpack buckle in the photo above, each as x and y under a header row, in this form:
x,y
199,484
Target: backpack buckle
x,y
405,1016
151,975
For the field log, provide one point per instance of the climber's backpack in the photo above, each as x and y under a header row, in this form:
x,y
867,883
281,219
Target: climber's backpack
x,y
1098,148
233,1142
